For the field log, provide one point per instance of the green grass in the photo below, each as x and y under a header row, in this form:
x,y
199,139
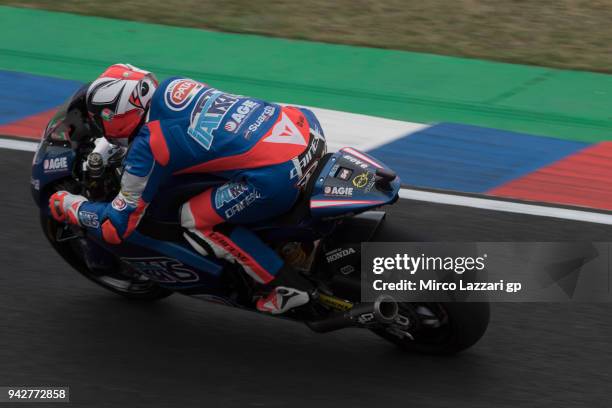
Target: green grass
x,y
573,34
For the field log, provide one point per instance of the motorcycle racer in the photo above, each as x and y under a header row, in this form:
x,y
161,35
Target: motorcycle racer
x,y
264,151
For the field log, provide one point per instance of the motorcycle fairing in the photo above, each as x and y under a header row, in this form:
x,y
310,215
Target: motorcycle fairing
x,y
348,184
147,250
51,162
179,258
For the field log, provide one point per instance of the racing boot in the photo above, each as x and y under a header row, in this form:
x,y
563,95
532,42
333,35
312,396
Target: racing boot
x,y
290,290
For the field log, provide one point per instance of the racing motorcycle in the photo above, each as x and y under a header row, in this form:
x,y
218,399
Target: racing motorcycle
x,y
320,237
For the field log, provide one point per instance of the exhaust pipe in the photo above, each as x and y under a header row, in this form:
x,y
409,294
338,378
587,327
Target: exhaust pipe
x,y
383,310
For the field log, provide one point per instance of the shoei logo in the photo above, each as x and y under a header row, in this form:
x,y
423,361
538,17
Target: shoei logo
x,y
57,164
180,92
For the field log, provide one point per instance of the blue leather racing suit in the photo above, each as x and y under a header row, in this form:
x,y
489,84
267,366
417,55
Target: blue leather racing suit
x,y
265,151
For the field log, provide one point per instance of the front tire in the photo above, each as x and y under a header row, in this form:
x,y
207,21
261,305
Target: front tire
x,y
434,328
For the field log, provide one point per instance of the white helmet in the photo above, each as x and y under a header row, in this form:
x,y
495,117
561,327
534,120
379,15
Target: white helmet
x,y
118,100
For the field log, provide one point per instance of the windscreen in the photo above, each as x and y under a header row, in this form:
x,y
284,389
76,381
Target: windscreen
x,y
57,128
70,122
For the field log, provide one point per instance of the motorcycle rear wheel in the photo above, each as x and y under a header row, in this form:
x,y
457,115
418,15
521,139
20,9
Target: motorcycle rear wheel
x,y
433,328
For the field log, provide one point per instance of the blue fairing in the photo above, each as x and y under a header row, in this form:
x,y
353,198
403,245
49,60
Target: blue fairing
x,y
348,184
51,163
171,264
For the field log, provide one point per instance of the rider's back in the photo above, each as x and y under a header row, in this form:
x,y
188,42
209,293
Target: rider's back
x,y
201,125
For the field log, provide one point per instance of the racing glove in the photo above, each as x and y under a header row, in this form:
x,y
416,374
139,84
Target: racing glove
x,y
65,207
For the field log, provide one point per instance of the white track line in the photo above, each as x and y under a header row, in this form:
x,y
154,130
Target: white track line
x,y
440,198
18,145
361,131
506,206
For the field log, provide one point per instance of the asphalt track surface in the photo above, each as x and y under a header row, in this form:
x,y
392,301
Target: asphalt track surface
x,y
56,328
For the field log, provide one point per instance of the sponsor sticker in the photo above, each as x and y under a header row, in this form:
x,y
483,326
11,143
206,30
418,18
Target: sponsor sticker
x,y
344,174
55,164
107,114
338,253
163,269
267,113
228,192
333,170
285,131
180,92
355,161
208,115
361,180
241,205
119,203
315,150
35,183
370,185
242,113
89,219
338,191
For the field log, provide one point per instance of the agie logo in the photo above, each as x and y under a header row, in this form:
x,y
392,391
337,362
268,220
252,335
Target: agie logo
x,y
338,191
57,164
180,93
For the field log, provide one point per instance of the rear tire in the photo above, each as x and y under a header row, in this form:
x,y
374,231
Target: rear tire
x,y
128,287
453,327
462,325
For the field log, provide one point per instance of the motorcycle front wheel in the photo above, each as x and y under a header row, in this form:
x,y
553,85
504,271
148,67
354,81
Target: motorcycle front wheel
x,y
134,286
